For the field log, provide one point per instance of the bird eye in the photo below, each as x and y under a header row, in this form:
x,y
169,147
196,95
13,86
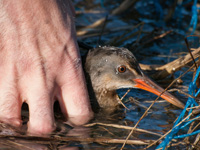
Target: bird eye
x,y
121,69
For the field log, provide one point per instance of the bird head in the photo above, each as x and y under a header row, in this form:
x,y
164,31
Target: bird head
x,y
111,68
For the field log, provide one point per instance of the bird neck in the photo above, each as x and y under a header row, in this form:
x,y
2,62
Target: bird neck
x,y
107,100
101,98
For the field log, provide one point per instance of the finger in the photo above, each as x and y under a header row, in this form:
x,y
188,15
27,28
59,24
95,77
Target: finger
x,y
35,91
10,104
74,96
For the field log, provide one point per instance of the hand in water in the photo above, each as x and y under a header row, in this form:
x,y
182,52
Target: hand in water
x,y
39,60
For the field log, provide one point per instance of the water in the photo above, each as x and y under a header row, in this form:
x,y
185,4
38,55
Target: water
x,y
148,51
122,30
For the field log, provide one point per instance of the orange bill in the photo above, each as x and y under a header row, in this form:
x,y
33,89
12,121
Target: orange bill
x,y
148,85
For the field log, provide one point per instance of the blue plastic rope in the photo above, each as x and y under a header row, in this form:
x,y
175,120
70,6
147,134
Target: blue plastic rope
x,y
176,128
102,4
194,19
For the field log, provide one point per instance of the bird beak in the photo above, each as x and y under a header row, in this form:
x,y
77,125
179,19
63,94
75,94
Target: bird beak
x,y
146,84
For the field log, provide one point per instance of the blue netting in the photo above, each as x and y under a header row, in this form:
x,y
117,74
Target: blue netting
x,y
102,4
178,125
179,10
194,14
194,19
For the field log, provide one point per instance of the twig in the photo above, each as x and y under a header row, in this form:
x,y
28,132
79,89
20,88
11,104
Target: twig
x,y
136,102
195,127
167,132
173,66
122,127
46,140
189,50
124,6
18,145
145,113
176,65
96,32
148,39
122,38
186,94
158,37
120,99
197,139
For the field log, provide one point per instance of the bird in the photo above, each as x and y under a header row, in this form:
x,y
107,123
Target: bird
x,y
109,68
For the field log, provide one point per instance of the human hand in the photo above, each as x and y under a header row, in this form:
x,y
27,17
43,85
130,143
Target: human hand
x,y
39,60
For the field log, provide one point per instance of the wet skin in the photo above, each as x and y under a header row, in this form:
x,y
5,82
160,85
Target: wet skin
x,y
40,62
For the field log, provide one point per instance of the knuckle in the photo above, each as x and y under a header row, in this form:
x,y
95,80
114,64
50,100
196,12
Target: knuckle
x,y
28,64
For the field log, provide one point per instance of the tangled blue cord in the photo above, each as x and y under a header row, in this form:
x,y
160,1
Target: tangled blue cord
x,y
178,125
193,90
177,14
194,19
